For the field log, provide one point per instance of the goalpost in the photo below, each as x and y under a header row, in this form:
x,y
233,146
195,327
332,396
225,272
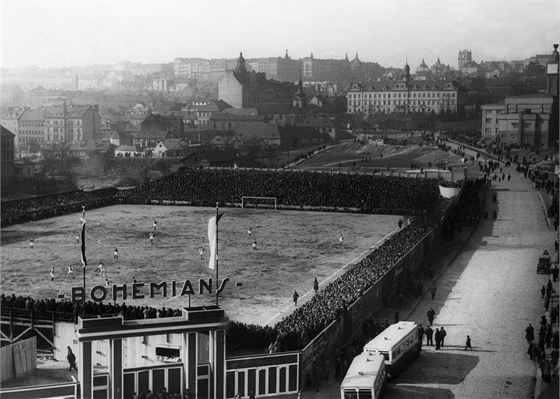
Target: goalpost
x,y
265,202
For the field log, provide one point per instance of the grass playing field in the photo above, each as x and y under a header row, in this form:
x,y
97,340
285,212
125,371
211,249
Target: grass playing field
x,y
293,248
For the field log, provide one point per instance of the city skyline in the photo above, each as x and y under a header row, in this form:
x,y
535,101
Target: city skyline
x,y
61,33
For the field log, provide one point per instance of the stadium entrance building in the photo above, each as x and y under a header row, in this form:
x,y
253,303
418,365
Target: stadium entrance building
x,y
140,357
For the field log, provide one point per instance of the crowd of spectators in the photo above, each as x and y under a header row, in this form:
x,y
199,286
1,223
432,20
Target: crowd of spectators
x,y
365,192
31,209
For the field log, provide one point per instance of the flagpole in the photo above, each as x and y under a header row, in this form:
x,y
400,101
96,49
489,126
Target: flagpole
x,y
83,243
216,259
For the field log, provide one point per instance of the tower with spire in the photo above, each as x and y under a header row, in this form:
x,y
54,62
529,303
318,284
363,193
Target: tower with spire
x,y
300,99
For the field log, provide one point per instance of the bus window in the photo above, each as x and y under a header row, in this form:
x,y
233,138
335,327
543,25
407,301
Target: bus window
x,y
364,394
350,395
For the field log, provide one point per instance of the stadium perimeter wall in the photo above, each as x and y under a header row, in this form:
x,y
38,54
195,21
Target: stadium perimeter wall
x,y
317,356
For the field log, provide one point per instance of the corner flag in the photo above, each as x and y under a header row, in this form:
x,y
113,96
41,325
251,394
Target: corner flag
x,y
84,261
213,238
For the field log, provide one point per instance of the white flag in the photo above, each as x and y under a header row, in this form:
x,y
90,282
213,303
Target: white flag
x,y
213,239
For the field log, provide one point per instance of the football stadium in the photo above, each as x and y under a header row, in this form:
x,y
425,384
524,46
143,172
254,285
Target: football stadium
x,y
150,289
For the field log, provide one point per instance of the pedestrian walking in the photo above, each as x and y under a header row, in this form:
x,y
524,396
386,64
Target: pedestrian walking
x,y
400,223
70,272
155,225
437,336
315,285
468,343
543,290
530,333
52,273
116,254
295,297
442,334
31,243
71,360
431,314
420,334
151,238
429,334
201,252
77,237
433,290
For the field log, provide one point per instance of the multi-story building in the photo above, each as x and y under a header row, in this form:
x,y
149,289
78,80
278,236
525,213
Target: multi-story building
x,y
526,121
160,84
243,89
9,119
88,82
522,121
31,130
490,113
7,155
277,68
405,95
327,69
69,123
10,95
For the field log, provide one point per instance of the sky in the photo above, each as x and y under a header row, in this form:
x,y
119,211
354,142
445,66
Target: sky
x,y
66,33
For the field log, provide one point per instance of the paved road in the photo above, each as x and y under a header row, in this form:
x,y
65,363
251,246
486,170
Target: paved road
x,y
490,291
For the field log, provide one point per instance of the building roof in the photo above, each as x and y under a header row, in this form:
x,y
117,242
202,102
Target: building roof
x,y
150,134
224,116
172,144
317,122
82,146
260,130
127,148
6,133
214,106
388,85
32,115
241,111
274,109
72,111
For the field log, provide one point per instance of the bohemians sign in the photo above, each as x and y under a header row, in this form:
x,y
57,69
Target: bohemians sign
x,y
140,290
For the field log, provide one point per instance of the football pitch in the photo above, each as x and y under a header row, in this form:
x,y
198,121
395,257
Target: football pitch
x,y
293,247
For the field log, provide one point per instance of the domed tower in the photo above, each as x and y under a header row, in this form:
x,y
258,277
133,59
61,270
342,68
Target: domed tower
x,y
241,68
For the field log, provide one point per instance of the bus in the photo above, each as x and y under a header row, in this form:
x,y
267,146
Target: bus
x,y
398,343
366,377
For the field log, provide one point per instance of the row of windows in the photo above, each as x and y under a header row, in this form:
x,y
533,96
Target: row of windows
x,y
77,122
403,346
401,95
30,124
394,110
398,102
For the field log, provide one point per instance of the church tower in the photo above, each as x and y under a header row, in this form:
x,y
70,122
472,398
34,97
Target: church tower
x,y
241,68
300,99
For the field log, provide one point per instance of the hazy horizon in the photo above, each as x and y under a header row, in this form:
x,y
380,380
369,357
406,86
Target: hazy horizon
x,y
65,33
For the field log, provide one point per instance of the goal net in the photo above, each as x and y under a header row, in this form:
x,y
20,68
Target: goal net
x,y
259,202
